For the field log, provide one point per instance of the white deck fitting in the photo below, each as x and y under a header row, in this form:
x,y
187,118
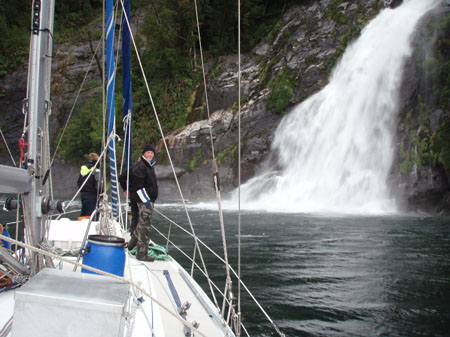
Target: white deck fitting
x,y
68,234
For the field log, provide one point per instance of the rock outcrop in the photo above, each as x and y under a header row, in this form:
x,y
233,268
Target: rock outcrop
x,y
297,56
421,170
306,45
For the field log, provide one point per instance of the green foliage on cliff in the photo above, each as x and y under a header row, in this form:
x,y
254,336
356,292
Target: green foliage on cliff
x,y
195,162
71,18
227,153
84,133
168,44
282,86
423,147
444,97
14,34
334,12
173,22
416,149
441,143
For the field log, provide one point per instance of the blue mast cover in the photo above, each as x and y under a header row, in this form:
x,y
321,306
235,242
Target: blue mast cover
x,y
111,77
126,84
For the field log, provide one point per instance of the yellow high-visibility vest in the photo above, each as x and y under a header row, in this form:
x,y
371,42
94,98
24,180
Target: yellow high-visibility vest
x,y
85,170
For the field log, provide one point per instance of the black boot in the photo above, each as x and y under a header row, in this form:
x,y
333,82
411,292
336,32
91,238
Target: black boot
x,y
145,258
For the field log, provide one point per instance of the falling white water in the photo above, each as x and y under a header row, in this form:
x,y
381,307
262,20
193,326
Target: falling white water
x,y
334,151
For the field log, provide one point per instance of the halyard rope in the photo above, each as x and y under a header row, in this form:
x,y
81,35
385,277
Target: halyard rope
x,y
215,170
167,151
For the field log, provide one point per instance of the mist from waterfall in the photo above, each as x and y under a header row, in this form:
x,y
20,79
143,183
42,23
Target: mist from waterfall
x,y
333,152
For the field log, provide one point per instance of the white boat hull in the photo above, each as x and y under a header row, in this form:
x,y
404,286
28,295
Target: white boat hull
x,y
142,316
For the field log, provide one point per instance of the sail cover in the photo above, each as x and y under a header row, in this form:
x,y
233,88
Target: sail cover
x,y
111,77
126,83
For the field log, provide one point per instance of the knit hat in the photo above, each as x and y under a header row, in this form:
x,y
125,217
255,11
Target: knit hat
x,y
148,147
93,156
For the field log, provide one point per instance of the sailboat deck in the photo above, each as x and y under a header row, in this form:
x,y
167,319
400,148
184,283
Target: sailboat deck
x,y
149,317
67,234
152,277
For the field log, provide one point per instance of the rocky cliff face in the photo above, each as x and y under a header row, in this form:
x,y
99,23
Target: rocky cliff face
x,y
297,57
421,171
306,46
291,64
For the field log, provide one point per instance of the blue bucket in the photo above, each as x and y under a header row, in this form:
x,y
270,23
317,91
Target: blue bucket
x,y
106,253
5,243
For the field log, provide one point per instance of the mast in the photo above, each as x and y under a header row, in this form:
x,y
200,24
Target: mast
x,y
110,102
127,110
38,104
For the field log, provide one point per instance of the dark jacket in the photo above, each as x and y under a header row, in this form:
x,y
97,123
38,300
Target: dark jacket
x,y
143,184
123,180
93,186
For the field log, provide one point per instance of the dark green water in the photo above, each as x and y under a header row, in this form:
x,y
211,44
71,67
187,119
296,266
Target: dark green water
x,y
333,276
329,276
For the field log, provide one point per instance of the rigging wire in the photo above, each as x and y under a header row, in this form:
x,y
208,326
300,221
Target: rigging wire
x,y
7,147
238,325
47,168
85,181
104,96
221,260
159,125
197,248
110,83
214,163
116,6
73,105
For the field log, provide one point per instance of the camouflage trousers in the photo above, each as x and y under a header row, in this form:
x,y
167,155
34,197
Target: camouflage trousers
x,y
141,235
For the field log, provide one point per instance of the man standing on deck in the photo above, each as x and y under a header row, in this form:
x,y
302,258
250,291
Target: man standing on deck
x,y
93,186
144,192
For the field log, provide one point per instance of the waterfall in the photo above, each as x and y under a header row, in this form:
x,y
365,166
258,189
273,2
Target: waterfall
x,y
333,152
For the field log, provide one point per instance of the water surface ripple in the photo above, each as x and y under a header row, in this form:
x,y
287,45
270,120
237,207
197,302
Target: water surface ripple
x,y
338,276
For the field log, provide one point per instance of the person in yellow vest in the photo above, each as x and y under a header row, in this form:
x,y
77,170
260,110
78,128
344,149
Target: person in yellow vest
x,y
93,186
